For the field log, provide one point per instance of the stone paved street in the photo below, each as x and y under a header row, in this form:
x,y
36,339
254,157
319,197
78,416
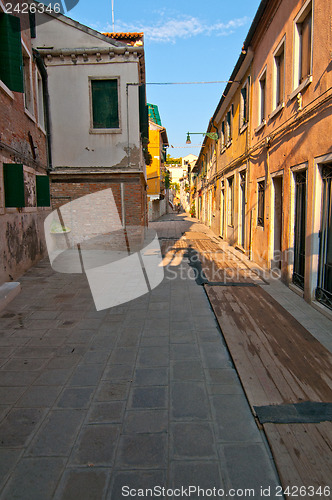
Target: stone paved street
x,y
141,395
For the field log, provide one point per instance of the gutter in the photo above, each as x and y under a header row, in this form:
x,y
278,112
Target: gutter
x,y
42,69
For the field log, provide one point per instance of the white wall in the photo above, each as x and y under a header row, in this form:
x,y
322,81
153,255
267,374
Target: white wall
x,y
73,145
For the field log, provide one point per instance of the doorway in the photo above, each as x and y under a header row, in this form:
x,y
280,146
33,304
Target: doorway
x,y
222,212
242,232
277,222
324,285
300,228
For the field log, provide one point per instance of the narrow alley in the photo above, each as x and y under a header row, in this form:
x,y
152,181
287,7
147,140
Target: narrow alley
x,y
140,396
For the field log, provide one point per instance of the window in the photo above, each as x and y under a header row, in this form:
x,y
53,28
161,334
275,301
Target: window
x,y
222,136
228,137
40,101
28,94
13,178
262,98
279,76
11,67
230,202
260,204
303,43
105,105
43,191
244,104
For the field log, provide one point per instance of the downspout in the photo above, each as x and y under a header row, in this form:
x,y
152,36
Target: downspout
x,y
46,98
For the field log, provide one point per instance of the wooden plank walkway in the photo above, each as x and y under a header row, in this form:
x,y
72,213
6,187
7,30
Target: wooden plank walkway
x,y
280,362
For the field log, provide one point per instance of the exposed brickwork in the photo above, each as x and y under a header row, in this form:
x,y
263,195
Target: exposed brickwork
x,y
22,241
69,187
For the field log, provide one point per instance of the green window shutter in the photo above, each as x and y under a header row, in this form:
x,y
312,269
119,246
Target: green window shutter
x,y
43,191
105,106
143,113
11,61
14,184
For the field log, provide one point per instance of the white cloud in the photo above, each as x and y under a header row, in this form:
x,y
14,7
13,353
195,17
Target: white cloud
x,y
184,27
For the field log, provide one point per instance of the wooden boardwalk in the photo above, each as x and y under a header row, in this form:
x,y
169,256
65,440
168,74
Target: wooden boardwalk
x,y
279,362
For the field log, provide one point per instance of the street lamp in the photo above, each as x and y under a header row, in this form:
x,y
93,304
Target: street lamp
x,y
212,135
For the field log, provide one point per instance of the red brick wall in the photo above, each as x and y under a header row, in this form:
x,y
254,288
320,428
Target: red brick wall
x,y
66,189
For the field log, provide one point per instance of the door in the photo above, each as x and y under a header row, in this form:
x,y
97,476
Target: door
x,y
324,286
222,212
299,228
277,223
242,209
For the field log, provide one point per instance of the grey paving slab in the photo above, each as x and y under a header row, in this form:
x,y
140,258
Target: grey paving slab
x,y
57,435
9,395
153,356
109,391
19,426
96,445
196,474
192,440
34,478
118,372
142,451
39,396
248,466
8,460
233,419
148,397
75,397
86,375
137,480
145,421
187,370
106,413
83,484
151,376
189,400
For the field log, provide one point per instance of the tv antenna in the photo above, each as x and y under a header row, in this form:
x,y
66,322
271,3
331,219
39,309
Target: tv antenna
x,y
113,15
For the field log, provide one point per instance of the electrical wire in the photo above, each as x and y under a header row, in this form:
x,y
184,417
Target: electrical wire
x,y
191,83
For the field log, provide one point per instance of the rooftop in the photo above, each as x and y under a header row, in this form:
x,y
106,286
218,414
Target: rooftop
x,y
134,39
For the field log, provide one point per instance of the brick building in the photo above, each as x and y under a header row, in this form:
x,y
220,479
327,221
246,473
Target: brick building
x,y
24,159
266,184
98,113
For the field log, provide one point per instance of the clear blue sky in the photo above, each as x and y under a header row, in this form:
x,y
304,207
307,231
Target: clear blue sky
x,y
184,41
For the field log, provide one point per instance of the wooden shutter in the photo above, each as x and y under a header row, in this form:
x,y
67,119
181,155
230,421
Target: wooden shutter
x,y
281,72
105,106
14,184
11,61
143,113
244,105
43,191
305,47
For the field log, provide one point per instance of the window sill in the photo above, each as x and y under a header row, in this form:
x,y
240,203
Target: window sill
x,y
244,127
105,131
277,110
41,128
304,84
29,115
260,127
6,90
259,226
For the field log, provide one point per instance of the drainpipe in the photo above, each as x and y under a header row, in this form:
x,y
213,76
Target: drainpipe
x,y
46,98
